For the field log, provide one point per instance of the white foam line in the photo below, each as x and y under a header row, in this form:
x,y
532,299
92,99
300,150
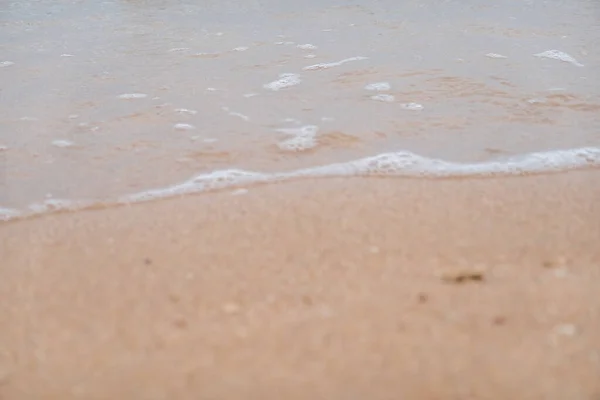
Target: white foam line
x,y
307,46
409,164
333,64
398,164
285,80
379,86
236,114
7,214
220,179
128,96
559,55
495,55
239,115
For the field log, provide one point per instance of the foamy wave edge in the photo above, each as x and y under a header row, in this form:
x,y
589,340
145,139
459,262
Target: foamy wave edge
x,y
397,164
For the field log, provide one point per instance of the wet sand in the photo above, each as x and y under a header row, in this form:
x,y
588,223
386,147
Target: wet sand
x,y
319,289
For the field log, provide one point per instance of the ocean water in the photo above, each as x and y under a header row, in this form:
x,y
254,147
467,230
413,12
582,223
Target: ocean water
x,y
124,101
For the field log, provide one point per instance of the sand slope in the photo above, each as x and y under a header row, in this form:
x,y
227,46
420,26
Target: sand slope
x,y
330,289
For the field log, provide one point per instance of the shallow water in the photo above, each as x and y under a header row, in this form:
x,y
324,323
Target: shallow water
x,y
100,100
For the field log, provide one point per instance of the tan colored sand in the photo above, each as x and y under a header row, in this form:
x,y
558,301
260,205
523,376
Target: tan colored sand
x,y
331,289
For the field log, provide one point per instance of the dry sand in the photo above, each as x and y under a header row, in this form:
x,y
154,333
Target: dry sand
x,y
325,289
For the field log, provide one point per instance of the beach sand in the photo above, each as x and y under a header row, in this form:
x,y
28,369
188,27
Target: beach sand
x,y
351,288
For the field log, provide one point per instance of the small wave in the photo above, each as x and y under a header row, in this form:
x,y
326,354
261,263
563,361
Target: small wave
x,y
320,66
7,214
285,80
397,164
559,55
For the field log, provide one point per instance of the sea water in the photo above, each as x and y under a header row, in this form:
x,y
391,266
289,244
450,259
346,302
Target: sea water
x,y
126,101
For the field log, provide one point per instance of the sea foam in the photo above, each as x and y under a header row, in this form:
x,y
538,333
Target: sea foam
x,y
396,164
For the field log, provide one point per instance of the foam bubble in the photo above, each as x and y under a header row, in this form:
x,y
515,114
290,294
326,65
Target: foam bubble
x,y
235,114
307,46
405,163
412,106
558,55
307,130
298,143
186,111
128,96
241,48
333,64
378,86
211,181
206,55
536,100
285,80
397,164
184,127
304,138
495,55
387,98
62,143
7,214
50,205
6,64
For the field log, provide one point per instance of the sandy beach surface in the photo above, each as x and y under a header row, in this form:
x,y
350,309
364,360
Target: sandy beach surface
x,y
318,289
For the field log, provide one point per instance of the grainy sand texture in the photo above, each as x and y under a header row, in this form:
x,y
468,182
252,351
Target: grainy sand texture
x,y
319,289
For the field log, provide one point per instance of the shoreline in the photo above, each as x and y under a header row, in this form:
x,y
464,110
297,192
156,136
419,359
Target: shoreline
x,y
375,288
398,165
